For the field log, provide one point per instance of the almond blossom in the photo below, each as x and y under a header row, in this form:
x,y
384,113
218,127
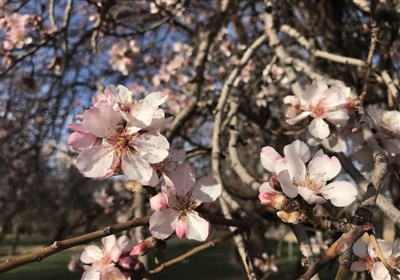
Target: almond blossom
x,y
120,135
311,181
368,259
175,206
275,163
122,54
324,105
99,259
16,32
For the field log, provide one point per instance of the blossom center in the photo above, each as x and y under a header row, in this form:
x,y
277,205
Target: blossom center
x,y
121,141
319,110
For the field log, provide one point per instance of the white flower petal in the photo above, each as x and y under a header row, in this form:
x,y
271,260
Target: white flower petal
x,y
319,128
162,223
183,179
197,228
323,167
286,184
299,149
95,161
136,168
109,242
309,196
101,120
340,193
266,187
360,249
91,254
152,146
206,189
269,157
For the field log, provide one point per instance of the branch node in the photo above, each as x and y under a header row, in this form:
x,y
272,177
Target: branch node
x,y
54,245
107,230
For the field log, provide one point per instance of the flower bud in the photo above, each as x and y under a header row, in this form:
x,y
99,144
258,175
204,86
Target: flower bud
x,y
275,200
274,183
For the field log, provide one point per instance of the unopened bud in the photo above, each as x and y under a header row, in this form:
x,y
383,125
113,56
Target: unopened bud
x,y
275,200
274,183
294,217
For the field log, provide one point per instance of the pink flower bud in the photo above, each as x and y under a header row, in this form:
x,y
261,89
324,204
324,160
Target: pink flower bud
x,y
275,200
274,183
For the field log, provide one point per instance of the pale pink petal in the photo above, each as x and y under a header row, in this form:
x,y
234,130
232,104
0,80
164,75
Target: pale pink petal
x,y
386,248
109,242
91,254
93,273
334,97
136,168
206,189
180,229
299,117
96,161
319,128
265,187
197,228
280,165
143,112
299,149
99,121
79,141
112,273
286,183
340,193
115,253
297,169
183,179
309,196
379,272
358,266
269,157
163,223
314,91
323,167
360,249
155,99
158,202
338,117
152,146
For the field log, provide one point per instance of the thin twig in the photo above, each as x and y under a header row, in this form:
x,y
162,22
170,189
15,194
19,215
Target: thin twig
x,y
62,245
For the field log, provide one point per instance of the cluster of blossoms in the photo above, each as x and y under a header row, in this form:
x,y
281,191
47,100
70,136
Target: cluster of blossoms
x,y
328,107
310,182
122,54
386,128
369,261
15,29
120,135
107,262
266,263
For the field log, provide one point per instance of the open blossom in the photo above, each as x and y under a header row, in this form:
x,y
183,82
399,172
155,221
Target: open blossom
x,y
368,259
99,259
116,135
324,105
311,181
175,206
275,163
122,54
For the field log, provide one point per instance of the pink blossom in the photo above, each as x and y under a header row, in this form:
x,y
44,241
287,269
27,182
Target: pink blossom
x,y
122,54
174,206
112,138
324,105
99,259
368,259
275,163
311,182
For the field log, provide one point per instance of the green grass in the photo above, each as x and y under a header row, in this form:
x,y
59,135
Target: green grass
x,y
219,262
